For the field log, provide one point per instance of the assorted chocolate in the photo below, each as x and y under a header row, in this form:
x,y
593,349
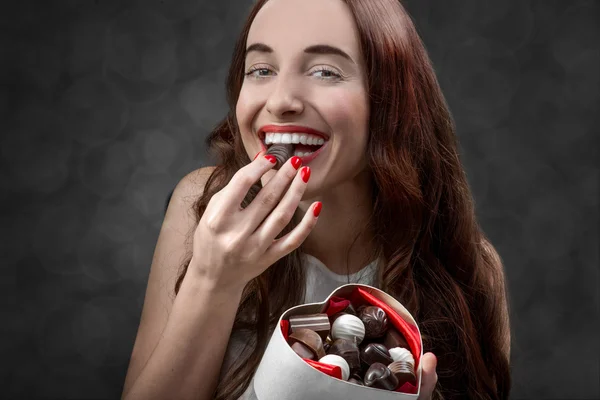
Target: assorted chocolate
x,y
348,327
362,343
282,152
311,341
375,321
315,322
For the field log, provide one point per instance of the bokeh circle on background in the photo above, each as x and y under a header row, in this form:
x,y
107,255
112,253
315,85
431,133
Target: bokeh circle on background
x,y
141,60
93,113
37,150
105,170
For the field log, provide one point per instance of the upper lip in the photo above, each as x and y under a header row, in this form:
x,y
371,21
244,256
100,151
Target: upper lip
x,y
289,129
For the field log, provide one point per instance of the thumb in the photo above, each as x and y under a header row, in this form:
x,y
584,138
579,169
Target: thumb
x,y
429,375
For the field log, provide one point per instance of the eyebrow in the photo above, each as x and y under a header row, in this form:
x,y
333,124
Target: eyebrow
x,y
315,49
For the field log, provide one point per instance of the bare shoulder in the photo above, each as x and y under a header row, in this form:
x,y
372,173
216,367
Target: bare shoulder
x,y
498,282
191,186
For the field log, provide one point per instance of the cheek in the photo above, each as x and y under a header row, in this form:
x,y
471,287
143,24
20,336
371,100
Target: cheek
x,y
347,113
246,108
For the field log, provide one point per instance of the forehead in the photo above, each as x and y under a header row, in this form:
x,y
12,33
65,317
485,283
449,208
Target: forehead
x,y
289,25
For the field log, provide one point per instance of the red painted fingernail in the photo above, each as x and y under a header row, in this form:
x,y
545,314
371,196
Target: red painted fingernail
x,y
296,162
256,155
305,174
317,209
271,158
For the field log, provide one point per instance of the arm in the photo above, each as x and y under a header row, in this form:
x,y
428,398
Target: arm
x,y
171,358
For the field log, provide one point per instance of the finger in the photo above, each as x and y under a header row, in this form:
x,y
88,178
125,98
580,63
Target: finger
x,y
269,196
429,375
291,241
237,189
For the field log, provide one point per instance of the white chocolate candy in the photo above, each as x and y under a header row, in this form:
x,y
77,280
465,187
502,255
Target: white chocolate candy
x,y
401,354
338,361
348,327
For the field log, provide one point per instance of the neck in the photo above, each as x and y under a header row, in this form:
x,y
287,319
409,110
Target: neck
x,y
341,239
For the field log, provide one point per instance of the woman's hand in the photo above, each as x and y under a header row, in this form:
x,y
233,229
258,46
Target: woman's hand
x,y
429,376
234,245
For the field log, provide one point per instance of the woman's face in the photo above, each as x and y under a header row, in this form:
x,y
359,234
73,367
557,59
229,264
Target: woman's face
x,y
304,68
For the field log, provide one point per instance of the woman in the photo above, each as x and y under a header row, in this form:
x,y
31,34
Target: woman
x,y
396,210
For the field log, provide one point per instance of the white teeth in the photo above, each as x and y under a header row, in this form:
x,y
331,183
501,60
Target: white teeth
x,y
295,138
302,154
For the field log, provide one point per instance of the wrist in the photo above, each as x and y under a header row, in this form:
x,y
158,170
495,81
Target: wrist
x,y
210,284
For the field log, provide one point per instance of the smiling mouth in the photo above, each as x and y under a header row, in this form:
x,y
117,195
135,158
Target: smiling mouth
x,y
304,144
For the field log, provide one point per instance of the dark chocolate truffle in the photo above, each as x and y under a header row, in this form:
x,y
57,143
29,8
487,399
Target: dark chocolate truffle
x,y
375,320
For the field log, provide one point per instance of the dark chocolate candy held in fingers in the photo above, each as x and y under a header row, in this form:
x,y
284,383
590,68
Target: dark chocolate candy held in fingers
x,y
315,322
348,350
393,338
282,152
375,320
374,353
379,376
404,371
310,339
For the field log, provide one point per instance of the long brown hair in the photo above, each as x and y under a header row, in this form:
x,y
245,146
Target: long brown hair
x,y
436,263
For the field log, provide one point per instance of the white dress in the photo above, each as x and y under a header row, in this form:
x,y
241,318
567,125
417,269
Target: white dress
x,y
320,282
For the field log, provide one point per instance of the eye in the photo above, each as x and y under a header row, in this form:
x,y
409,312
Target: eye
x,y
258,72
327,74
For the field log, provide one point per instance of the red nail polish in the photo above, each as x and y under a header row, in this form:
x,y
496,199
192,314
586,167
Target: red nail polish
x,y
296,162
256,155
317,209
271,158
305,174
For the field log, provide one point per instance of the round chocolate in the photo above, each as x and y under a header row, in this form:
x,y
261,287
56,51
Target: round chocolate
x,y
404,371
374,353
375,320
336,316
282,152
401,354
338,361
379,376
310,339
348,350
348,327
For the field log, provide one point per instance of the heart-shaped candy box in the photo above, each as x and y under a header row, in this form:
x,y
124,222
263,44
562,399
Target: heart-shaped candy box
x,y
282,374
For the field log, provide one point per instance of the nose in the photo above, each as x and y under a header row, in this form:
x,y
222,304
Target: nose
x,y
284,99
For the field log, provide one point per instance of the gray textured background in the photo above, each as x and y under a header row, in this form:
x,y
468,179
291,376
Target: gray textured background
x,y
105,105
